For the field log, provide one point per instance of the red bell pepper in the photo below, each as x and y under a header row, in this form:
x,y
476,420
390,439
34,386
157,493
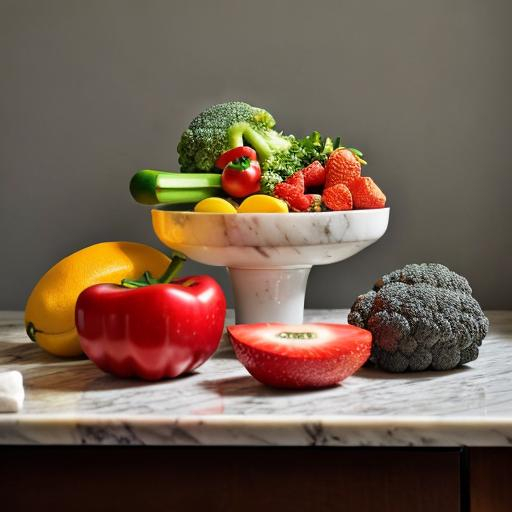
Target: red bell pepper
x,y
151,328
235,154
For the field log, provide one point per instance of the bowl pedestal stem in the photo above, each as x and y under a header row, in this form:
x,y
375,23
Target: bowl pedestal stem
x,y
269,294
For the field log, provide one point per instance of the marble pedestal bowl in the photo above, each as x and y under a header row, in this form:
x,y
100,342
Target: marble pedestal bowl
x,y
268,255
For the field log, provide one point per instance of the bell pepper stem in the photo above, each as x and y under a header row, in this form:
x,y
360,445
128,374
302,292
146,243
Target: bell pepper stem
x,y
173,269
240,164
147,279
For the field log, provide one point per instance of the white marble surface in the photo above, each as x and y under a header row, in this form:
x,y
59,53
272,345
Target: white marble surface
x,y
72,402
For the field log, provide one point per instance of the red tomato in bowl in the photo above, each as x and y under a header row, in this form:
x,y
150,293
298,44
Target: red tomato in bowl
x,y
241,178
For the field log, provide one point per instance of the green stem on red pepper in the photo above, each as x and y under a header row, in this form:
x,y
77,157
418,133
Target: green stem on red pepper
x,y
240,164
147,279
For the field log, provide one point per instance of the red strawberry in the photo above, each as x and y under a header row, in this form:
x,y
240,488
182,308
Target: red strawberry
x,y
366,194
293,196
314,175
296,180
300,356
337,197
341,167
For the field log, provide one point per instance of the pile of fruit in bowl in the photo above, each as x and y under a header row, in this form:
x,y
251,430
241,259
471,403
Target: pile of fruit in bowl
x,y
233,161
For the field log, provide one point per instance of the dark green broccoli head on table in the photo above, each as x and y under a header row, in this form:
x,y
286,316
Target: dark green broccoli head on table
x,y
421,317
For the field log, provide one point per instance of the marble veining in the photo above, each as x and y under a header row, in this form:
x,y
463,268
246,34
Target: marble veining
x,y
72,402
270,240
270,230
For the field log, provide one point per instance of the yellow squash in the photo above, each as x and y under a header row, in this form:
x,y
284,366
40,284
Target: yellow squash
x,y
214,205
260,203
50,309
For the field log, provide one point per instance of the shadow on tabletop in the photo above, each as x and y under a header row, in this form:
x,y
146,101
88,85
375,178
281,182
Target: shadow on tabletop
x,y
249,386
371,372
30,353
91,378
69,373
65,374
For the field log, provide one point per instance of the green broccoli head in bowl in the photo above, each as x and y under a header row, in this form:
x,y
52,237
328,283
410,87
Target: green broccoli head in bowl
x,y
422,317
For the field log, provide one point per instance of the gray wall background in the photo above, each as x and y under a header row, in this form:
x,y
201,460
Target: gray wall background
x,y
92,91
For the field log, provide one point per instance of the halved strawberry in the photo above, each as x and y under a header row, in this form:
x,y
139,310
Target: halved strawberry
x,y
300,356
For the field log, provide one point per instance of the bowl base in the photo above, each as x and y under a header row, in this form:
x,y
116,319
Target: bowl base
x,y
269,295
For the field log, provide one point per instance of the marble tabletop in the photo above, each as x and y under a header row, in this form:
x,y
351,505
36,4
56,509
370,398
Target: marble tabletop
x,y
72,402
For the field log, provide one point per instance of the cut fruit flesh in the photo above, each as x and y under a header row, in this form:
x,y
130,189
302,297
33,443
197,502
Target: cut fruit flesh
x,y
312,340
300,356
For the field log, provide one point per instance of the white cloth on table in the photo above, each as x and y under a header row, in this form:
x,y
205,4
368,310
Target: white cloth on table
x,y
12,393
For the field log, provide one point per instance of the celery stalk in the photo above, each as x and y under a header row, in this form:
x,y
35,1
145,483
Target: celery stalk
x,y
154,187
184,195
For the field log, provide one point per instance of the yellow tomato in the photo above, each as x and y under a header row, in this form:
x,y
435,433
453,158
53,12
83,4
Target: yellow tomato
x,y
260,203
50,309
214,205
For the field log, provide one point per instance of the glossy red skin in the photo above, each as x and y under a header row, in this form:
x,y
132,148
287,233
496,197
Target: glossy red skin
x,y
238,183
235,154
154,332
300,370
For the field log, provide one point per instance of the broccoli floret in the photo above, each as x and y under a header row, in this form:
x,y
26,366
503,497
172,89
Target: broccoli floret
x,y
433,274
268,181
421,317
285,163
225,126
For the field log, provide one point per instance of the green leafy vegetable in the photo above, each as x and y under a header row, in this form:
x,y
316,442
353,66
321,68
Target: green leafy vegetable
x,y
301,153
